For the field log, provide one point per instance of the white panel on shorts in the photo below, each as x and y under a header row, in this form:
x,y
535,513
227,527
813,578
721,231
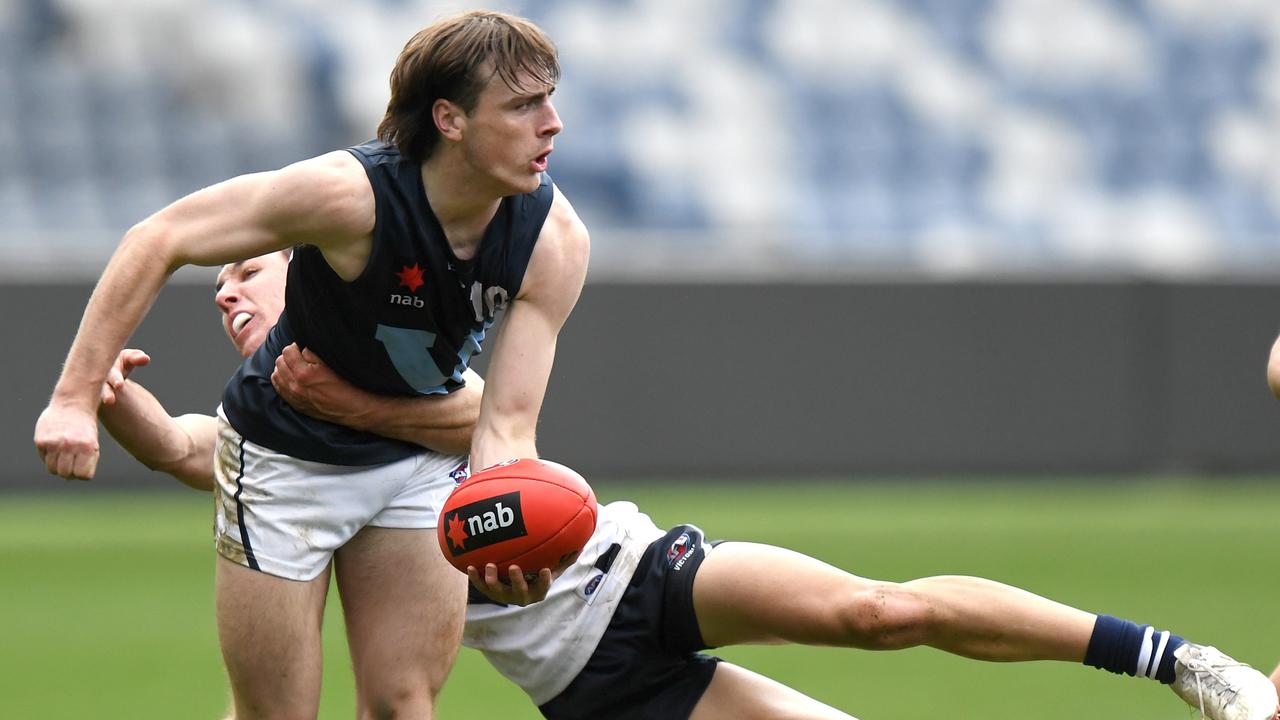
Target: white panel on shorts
x,y
286,516
542,647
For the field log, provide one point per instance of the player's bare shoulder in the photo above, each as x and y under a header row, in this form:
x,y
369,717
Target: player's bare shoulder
x,y
558,267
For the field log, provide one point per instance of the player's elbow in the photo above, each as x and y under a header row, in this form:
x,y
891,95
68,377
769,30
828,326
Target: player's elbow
x,y
192,474
153,241
188,463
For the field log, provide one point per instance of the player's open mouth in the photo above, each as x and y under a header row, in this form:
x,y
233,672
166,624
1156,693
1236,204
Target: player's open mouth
x,y
539,163
238,321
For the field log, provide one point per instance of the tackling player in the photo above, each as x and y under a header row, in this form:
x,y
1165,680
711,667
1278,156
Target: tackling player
x,y
642,603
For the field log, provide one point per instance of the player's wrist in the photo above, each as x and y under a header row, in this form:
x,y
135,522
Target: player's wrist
x,y
76,397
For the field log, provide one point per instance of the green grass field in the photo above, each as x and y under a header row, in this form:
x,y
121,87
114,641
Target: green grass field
x,y
107,606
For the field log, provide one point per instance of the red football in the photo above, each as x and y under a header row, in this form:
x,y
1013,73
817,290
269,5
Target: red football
x,y
531,513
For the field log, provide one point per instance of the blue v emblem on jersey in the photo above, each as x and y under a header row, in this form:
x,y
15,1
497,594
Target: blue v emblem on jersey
x,y
410,353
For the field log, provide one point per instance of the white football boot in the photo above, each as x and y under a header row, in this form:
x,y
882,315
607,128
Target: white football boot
x,y
1221,688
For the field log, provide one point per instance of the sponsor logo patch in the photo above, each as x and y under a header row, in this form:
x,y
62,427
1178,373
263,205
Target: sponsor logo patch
x,y
460,473
411,277
484,523
587,591
678,552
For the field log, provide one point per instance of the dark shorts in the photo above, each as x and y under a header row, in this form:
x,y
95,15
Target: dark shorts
x,y
647,665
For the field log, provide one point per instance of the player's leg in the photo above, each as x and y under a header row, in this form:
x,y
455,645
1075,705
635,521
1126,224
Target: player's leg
x,y
738,587
756,593
404,604
404,607
277,523
736,693
269,629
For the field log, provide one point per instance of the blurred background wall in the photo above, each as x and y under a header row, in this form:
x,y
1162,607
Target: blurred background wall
x,y
829,236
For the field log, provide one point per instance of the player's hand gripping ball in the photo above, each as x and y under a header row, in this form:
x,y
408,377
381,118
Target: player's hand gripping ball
x,y
532,513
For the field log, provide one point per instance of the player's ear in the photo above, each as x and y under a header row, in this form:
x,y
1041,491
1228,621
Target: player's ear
x,y
449,119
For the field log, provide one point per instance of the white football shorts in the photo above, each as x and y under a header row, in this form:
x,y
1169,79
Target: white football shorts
x,y
543,646
286,517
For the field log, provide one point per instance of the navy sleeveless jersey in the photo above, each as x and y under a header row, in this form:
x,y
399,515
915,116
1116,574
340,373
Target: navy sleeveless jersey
x,y
408,325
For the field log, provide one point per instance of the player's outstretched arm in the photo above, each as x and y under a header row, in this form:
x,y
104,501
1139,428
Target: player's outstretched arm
x,y
181,447
1275,678
443,423
325,201
526,342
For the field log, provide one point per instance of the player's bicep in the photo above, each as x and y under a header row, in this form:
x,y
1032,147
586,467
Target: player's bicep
x,y
196,466
558,266
318,201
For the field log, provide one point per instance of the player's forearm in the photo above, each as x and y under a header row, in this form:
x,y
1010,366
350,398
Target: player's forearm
x,y
518,375
141,425
410,421
504,432
125,293
444,424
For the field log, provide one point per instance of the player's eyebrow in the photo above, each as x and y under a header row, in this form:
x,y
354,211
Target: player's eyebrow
x,y
521,98
222,279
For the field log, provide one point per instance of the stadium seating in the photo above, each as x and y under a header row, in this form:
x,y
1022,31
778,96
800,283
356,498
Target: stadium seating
x,y
951,136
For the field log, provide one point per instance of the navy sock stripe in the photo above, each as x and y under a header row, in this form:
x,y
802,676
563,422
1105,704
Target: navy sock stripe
x,y
244,530
1125,648
1162,646
1145,653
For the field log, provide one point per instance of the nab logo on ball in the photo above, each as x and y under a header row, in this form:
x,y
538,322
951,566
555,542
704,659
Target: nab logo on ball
x,y
481,524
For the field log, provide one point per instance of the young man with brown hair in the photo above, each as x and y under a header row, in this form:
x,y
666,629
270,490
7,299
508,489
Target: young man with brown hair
x,y
404,256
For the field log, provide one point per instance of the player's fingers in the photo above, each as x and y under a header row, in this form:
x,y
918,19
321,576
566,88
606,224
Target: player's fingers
x,y
83,466
519,586
490,574
52,462
283,374
133,359
478,582
64,465
291,354
494,587
137,358
108,396
541,585
310,357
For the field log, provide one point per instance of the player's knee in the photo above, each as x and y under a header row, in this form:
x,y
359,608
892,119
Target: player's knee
x,y
398,703
886,616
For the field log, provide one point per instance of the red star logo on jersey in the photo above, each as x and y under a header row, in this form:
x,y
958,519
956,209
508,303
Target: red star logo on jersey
x,y
457,534
411,277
